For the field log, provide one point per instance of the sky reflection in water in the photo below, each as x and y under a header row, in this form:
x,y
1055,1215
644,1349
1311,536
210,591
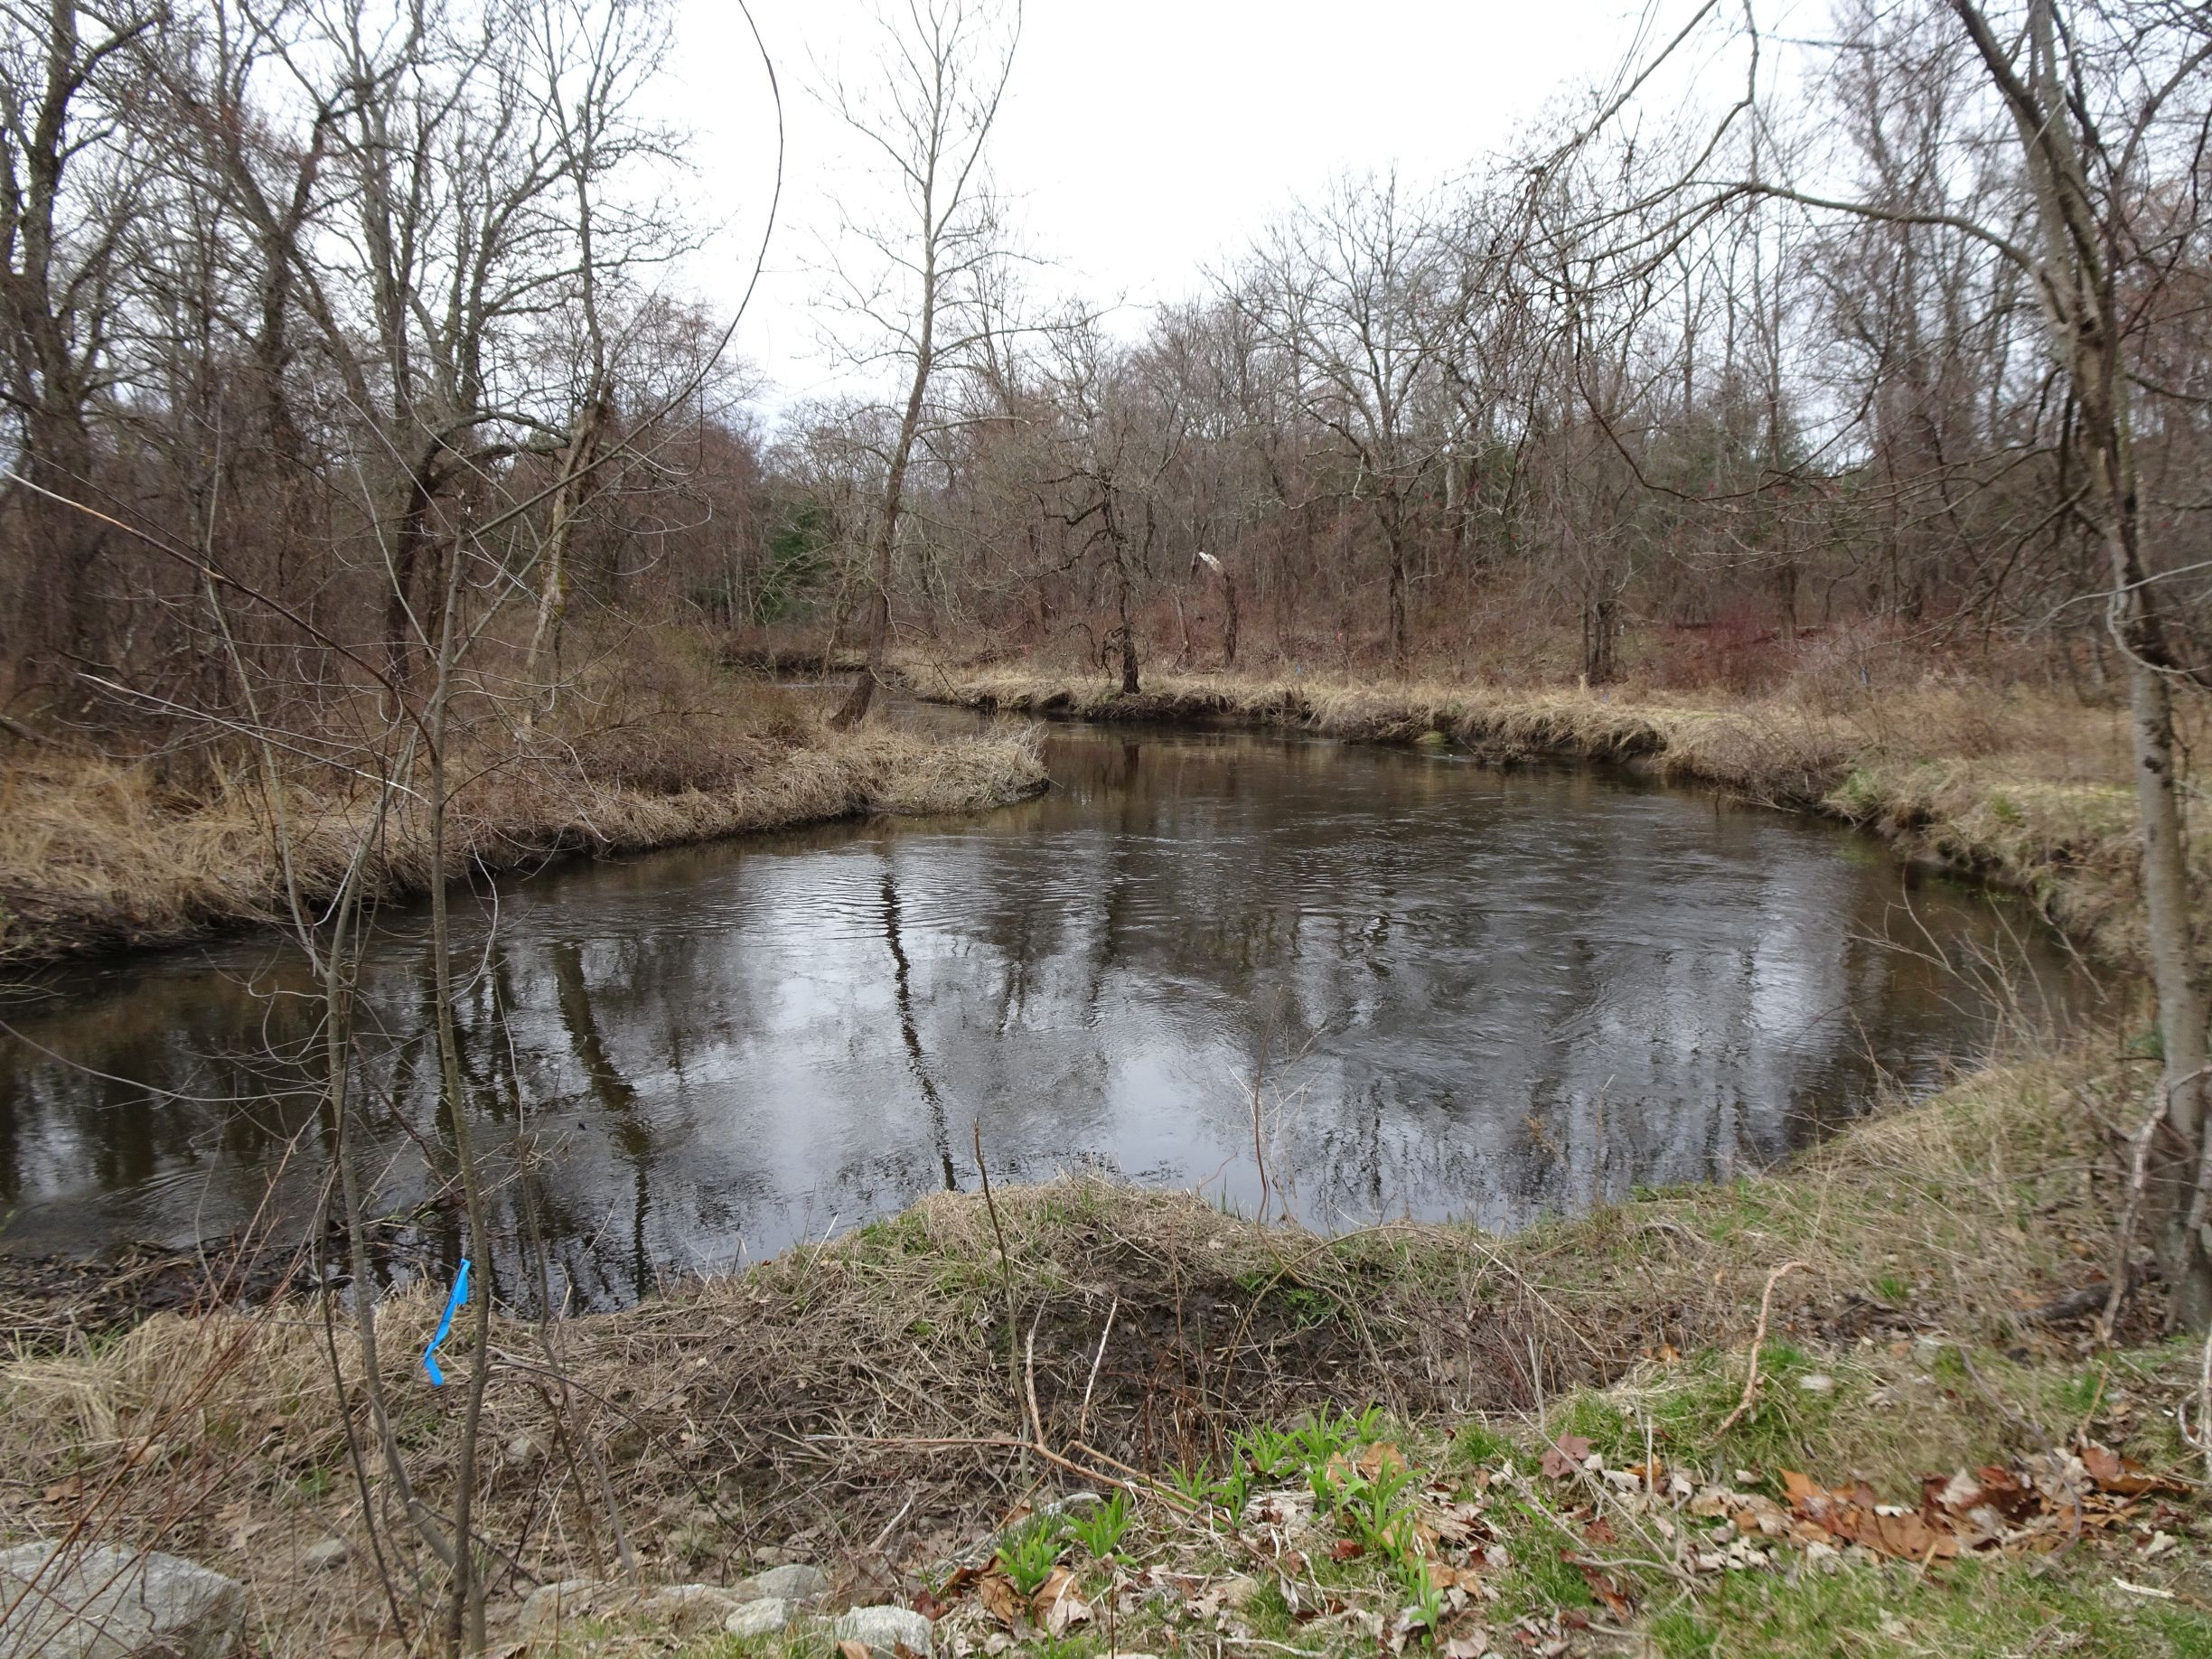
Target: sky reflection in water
x,y
1475,992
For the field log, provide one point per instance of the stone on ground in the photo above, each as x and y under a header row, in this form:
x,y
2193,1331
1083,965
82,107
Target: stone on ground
x,y
764,1616
102,1603
691,1606
796,1582
883,1629
551,1605
778,1594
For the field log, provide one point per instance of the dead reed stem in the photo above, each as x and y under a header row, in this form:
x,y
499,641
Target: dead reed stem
x,y
1758,1340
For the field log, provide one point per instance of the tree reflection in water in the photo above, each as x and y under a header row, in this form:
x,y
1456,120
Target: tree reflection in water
x,y
1476,993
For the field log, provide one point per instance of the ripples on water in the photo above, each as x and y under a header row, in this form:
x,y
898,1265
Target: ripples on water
x,y
1466,992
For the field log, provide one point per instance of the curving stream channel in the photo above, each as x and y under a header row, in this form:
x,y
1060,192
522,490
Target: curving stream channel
x,y
1455,990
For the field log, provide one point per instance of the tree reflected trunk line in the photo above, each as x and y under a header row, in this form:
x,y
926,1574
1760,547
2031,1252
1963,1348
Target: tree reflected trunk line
x,y
617,1092
902,986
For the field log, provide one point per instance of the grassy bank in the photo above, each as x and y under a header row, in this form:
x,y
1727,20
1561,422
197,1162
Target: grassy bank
x,y
97,853
881,1404
2019,787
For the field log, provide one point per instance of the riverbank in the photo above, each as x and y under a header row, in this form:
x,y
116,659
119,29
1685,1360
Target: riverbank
x,y
98,854
2019,788
878,1406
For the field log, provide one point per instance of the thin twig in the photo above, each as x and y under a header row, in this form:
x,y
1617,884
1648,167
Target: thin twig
x,y
1037,1418
1758,1338
1005,1270
1082,1417
2124,1242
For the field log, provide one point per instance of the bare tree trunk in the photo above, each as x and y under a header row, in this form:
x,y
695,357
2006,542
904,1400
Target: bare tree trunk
x,y
464,1611
1598,664
863,694
412,537
2181,1171
577,463
58,457
1126,631
2075,278
1397,598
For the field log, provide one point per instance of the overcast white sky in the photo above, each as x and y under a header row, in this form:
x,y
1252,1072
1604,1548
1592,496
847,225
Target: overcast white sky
x,y
1143,140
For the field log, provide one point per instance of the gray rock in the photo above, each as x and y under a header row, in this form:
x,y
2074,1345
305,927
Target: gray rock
x,y
551,1605
797,1582
764,1616
682,1606
883,1628
102,1603
691,1606
322,1557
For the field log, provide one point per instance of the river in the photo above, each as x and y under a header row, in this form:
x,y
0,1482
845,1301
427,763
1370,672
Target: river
x,y
1453,990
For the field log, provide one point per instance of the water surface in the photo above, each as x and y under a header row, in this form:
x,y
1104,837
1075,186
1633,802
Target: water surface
x,y
1454,991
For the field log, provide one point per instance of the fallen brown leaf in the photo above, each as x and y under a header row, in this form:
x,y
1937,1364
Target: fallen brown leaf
x,y
2123,1476
1057,1604
1381,1456
1000,1599
1851,1513
1601,1586
1565,1456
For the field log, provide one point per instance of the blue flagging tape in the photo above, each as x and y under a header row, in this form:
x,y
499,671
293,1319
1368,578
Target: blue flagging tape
x,y
453,1304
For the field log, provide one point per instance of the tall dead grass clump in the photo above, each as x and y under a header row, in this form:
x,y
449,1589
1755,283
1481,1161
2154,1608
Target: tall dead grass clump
x,y
651,751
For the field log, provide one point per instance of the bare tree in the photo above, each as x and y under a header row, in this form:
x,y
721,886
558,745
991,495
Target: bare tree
x,y
1118,431
1357,291
2095,106
929,114
2107,111
71,170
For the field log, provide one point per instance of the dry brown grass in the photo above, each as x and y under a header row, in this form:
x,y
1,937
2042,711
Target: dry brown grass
x,y
837,1397
97,853
2024,788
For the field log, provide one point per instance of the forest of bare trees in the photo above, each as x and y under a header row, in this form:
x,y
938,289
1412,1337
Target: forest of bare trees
x,y
296,297
316,286
1686,398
